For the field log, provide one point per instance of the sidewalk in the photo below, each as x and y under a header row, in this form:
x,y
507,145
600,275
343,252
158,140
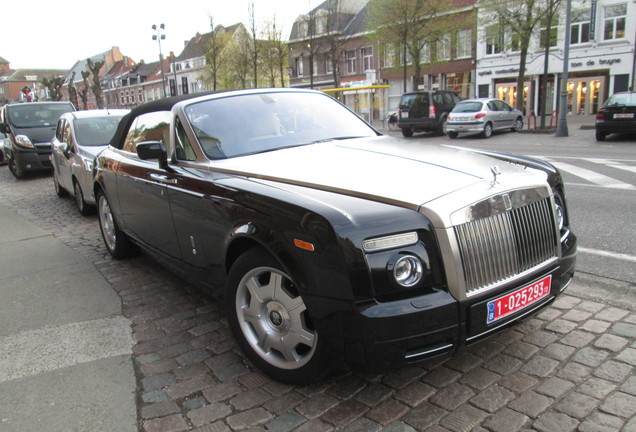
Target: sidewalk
x,y
65,348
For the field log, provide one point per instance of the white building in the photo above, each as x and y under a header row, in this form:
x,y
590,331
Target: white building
x,y
601,59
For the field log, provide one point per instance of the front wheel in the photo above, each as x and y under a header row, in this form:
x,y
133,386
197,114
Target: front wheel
x,y
270,321
15,169
518,125
59,190
117,242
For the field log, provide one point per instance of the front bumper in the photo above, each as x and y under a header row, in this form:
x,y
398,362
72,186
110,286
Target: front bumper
x,y
374,336
37,159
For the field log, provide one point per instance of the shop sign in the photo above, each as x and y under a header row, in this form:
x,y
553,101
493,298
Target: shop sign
x,y
589,63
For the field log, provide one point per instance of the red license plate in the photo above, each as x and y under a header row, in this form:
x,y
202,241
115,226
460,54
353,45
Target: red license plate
x,y
519,299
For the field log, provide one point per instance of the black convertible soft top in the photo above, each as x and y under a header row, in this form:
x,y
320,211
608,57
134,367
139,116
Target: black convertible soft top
x,y
165,104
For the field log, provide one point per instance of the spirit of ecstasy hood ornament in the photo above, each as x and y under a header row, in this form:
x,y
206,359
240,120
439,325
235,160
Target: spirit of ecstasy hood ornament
x,y
495,174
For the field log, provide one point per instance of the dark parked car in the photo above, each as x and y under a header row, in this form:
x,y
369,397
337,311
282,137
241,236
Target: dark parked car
x,y
29,128
79,137
618,115
425,111
334,246
483,116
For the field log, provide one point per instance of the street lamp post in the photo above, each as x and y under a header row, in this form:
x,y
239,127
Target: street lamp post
x,y
562,128
158,37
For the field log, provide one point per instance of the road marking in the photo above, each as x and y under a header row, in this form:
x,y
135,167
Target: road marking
x,y
593,176
50,348
615,255
612,164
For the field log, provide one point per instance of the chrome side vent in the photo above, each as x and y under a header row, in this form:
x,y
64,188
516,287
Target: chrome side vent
x,y
501,246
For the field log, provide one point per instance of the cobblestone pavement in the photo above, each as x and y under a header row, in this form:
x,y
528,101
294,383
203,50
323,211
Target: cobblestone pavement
x,y
570,368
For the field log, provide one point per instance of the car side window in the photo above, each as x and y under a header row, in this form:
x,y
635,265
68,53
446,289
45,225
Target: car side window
x,y
502,106
153,126
68,137
59,130
492,106
437,99
183,150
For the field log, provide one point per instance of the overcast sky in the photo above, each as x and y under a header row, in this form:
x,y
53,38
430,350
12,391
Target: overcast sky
x,y
49,34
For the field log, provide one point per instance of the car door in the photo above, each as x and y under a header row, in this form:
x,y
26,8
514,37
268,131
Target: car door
x,y
63,144
195,200
507,118
142,187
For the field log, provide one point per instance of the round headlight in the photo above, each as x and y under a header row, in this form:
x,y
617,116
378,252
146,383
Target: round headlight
x,y
408,270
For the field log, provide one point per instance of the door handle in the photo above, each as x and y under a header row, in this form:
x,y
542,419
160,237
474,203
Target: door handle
x,y
163,178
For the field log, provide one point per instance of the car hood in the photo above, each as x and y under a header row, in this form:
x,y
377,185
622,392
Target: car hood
x,y
385,169
36,134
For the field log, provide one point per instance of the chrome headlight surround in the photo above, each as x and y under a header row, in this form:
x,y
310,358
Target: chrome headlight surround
x,y
559,210
407,270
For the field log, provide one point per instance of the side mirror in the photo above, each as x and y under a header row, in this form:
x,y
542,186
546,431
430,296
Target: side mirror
x,y
150,150
4,128
63,147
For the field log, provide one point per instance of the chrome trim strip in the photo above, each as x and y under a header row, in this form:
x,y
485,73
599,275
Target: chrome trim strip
x,y
186,191
409,356
529,311
567,284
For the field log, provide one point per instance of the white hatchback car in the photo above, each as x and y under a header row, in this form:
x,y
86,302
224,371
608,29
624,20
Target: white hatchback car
x,y
483,116
79,137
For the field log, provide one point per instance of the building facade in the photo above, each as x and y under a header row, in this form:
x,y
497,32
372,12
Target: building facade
x,y
601,59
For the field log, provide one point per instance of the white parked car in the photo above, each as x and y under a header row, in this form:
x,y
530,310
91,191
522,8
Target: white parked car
x,y
79,137
483,116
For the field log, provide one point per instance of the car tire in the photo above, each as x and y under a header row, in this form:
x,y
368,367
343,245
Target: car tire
x,y
518,125
84,208
600,136
453,135
15,169
265,312
59,190
441,130
117,242
487,132
407,132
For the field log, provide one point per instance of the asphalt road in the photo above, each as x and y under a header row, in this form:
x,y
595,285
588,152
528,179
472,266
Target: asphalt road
x,y
600,183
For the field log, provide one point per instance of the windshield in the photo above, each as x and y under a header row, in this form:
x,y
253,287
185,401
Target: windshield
x,y
32,115
627,99
255,123
467,107
96,131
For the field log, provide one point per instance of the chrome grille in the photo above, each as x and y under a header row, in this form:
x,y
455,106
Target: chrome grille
x,y
498,247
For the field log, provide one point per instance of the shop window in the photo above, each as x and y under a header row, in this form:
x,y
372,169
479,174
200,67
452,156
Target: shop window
x,y
580,27
615,17
328,63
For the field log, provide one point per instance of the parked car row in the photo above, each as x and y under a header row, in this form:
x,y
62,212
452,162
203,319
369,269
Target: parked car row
x,y
444,112
332,245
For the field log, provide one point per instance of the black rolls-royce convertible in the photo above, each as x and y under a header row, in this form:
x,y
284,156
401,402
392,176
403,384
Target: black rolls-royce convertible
x,y
334,246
